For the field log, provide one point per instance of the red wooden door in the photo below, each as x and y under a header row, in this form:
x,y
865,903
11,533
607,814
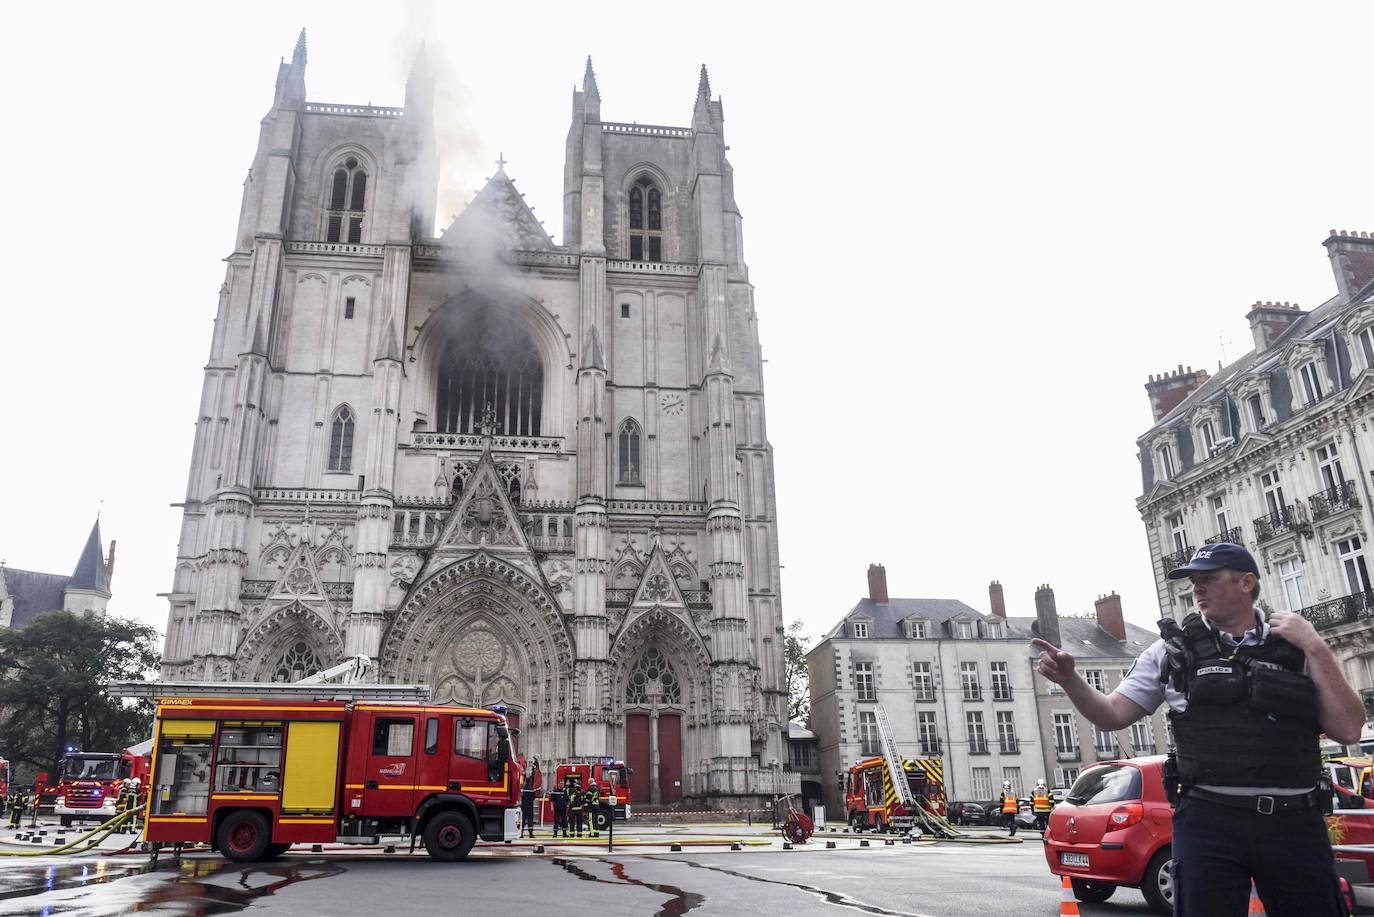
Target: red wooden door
x,y
637,757
670,756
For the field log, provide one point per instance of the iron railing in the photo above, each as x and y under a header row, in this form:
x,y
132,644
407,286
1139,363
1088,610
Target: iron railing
x,y
1230,536
1177,559
1066,754
1333,500
1348,609
1279,522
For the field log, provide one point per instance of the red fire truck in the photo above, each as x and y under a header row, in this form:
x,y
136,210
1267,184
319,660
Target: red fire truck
x,y
89,781
253,768
4,777
873,802
611,776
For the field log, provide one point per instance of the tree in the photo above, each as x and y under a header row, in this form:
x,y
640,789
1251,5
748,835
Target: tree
x,y
53,675
795,644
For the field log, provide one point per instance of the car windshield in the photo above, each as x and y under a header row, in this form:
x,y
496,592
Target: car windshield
x,y
1109,783
91,768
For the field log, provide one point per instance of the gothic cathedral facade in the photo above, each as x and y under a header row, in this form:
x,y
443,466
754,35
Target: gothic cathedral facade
x,y
523,473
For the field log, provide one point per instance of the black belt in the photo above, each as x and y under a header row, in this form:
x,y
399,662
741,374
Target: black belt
x,y
1264,805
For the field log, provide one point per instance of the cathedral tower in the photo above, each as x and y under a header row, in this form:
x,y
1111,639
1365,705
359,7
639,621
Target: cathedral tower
x,y
521,472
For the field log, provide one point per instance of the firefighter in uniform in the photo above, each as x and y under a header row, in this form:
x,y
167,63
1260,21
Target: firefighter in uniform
x,y
125,801
577,807
527,805
18,802
1010,806
1247,700
558,799
592,800
1041,804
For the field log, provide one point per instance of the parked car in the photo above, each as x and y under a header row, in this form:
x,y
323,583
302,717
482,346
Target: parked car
x,y
1115,828
968,813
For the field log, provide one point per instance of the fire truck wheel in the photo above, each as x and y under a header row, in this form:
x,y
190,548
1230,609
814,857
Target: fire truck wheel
x,y
66,821
878,825
449,836
243,837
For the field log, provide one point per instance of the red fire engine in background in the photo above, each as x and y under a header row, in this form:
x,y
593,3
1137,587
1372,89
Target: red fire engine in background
x,y
4,777
873,802
612,777
89,782
255,768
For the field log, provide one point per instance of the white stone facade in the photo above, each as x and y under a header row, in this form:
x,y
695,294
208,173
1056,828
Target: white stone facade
x,y
523,473
1275,452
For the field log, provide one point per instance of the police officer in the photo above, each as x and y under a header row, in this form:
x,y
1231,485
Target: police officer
x,y
577,807
1247,701
558,798
527,794
1010,806
592,800
1041,804
18,802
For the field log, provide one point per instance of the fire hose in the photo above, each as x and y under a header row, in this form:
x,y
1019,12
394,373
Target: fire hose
x,y
90,838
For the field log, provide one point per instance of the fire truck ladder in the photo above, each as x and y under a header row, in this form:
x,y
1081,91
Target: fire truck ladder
x,y
927,820
154,690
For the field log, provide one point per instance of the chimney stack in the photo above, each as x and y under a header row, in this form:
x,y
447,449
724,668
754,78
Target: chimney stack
x,y
109,561
1269,320
877,583
1046,616
1352,260
999,605
1167,390
1109,616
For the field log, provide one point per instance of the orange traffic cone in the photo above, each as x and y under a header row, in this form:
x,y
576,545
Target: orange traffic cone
x,y
1256,905
1069,906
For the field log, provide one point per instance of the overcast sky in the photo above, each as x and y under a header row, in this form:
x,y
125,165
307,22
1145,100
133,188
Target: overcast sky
x,y
973,229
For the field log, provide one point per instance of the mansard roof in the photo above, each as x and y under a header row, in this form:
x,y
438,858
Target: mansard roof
x,y
1086,640
33,593
886,619
498,219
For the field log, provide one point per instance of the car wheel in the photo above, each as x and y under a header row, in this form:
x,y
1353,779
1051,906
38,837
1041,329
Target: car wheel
x,y
449,836
878,824
1158,883
1092,892
243,837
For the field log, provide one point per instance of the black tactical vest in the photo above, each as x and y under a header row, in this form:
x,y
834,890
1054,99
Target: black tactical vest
x,y
1251,718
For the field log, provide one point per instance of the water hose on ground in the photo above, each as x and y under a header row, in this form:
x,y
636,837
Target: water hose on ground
x,y
90,838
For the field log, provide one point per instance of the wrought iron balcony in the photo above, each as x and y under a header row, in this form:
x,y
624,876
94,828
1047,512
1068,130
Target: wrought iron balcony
x,y
1348,609
1279,522
1177,559
1230,536
1066,754
1333,500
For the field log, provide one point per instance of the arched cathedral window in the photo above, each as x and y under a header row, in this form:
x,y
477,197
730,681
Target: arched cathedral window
x,y
298,661
646,221
653,676
347,203
490,364
629,453
341,440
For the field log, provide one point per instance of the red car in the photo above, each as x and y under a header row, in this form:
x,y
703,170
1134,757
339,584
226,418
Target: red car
x,y
1115,828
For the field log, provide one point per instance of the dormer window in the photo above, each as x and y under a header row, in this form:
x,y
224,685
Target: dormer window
x,y
963,630
646,221
994,629
1311,383
859,628
1365,341
1165,457
347,203
1208,436
1254,410
916,630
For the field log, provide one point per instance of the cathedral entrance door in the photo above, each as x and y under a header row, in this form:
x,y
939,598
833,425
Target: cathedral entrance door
x,y
637,757
670,757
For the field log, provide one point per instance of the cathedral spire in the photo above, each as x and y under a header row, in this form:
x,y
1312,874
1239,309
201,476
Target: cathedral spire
x,y
589,81
703,85
419,68
291,77
298,55
701,112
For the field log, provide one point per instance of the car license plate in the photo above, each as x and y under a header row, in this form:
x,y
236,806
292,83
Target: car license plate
x,y
1073,859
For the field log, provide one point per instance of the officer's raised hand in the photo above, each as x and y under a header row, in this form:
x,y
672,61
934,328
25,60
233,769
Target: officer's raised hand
x,y
1054,663
1296,629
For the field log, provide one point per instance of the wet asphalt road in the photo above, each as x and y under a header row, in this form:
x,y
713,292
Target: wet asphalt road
x,y
943,880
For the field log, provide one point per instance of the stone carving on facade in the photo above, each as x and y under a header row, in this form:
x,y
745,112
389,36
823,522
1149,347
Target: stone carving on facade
x,y
404,568
479,668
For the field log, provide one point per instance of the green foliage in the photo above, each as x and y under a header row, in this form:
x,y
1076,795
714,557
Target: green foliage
x,y
795,645
53,673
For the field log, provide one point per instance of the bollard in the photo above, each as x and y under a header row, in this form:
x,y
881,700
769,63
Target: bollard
x,y
317,848
675,848
864,842
829,845
736,847
888,842
786,845
538,848
390,848
906,839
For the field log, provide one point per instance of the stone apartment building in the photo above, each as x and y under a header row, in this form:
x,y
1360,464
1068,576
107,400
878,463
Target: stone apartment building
x,y
1275,452
959,683
522,472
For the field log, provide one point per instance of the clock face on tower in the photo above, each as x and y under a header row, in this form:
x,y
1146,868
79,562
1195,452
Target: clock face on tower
x,y
672,404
